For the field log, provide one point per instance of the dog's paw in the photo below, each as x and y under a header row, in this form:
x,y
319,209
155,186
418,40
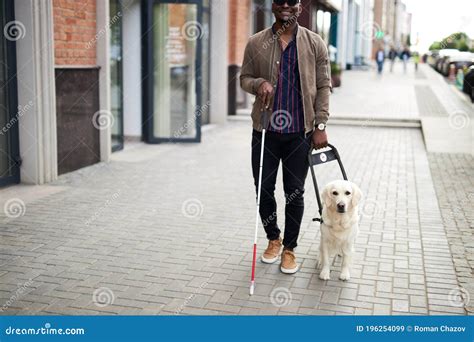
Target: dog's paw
x,y
345,275
324,275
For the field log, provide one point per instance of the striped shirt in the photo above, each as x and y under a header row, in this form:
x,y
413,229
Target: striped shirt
x,y
288,115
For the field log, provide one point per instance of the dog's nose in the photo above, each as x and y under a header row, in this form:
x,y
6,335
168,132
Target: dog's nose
x,y
341,206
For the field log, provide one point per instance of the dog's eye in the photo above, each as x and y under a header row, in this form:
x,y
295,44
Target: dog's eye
x,y
335,193
348,193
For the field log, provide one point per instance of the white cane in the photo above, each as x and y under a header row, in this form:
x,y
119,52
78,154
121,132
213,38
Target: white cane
x,y
260,172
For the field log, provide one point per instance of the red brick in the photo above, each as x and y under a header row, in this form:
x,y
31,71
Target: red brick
x,y
74,27
238,29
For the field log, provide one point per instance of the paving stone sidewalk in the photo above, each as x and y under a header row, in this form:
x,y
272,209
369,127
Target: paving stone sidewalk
x,y
366,95
171,233
454,184
169,229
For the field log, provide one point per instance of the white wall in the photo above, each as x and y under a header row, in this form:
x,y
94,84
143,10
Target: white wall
x,y
37,92
368,16
219,61
354,22
342,29
103,61
365,20
132,92
351,27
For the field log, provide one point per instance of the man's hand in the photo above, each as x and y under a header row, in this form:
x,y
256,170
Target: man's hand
x,y
320,139
265,92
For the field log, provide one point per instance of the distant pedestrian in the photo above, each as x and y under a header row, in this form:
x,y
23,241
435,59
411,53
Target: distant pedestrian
x,y
392,55
405,56
416,60
380,59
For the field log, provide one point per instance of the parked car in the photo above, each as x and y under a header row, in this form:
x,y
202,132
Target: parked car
x,y
459,60
439,63
468,85
442,56
431,57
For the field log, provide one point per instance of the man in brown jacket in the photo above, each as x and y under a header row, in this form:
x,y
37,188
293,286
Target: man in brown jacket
x,y
287,68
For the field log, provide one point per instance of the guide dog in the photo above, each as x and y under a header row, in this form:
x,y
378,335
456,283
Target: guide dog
x,y
339,227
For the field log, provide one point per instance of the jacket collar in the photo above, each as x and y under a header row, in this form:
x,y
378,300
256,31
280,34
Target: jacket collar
x,y
296,33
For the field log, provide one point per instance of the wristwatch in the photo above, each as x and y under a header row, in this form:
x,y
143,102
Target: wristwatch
x,y
321,127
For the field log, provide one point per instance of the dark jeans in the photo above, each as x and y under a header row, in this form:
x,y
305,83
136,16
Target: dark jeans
x,y
292,149
380,67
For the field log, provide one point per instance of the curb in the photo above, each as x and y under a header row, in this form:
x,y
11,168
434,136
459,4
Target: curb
x,y
354,121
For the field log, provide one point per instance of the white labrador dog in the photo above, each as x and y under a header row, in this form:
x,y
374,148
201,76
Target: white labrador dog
x,y
340,226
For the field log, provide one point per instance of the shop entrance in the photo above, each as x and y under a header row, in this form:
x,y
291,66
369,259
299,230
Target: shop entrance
x,y
172,44
9,112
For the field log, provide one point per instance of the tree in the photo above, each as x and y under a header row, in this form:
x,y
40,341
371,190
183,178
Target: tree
x,y
435,46
463,46
458,40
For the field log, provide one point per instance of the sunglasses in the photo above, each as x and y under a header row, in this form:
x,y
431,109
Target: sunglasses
x,y
289,2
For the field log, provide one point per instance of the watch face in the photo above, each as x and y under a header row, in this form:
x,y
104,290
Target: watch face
x,y
321,127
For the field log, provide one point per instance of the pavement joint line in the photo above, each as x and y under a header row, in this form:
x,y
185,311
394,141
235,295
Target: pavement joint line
x,y
134,232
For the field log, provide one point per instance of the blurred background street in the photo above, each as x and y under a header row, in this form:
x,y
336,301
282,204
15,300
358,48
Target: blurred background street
x,y
125,175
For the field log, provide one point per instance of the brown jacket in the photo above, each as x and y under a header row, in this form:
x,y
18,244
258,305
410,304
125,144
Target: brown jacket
x,y
263,50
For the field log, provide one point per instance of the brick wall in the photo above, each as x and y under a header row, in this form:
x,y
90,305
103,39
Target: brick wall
x,y
239,21
74,32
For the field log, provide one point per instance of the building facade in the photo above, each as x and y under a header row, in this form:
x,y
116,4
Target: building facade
x,y
354,33
9,111
240,28
393,22
80,79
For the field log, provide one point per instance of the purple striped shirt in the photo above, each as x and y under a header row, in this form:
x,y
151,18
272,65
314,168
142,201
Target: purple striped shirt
x,y
288,115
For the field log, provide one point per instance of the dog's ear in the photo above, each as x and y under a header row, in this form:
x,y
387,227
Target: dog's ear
x,y
356,195
325,197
